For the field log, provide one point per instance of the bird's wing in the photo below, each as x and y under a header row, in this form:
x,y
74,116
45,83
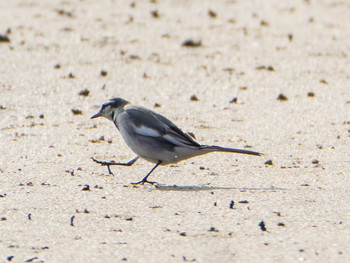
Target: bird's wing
x,y
152,124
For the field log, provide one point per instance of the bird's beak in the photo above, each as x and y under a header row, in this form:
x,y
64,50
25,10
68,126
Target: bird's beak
x,y
96,115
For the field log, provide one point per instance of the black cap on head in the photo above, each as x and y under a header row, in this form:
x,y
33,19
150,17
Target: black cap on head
x,y
107,109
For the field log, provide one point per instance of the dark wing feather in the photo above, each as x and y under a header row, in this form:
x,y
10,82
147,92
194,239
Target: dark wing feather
x,y
150,119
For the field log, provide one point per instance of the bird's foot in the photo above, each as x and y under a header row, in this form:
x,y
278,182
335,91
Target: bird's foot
x,y
105,164
142,182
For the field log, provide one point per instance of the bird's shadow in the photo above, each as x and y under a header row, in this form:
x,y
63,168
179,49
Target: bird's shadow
x,y
208,188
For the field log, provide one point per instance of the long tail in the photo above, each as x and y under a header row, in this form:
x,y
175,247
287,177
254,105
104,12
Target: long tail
x,y
214,148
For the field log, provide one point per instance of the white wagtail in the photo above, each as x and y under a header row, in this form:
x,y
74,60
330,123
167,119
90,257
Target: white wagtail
x,y
153,137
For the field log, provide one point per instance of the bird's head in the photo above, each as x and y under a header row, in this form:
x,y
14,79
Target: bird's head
x,y
110,109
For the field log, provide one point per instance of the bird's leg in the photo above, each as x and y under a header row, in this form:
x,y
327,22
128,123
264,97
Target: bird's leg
x,y
144,180
108,164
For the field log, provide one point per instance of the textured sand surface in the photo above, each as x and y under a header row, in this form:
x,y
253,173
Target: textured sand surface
x,y
56,205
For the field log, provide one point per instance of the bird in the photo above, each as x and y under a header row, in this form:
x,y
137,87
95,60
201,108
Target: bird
x,y
153,137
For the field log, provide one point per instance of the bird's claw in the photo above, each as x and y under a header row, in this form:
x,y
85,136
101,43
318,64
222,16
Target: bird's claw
x,y
142,182
104,164
109,170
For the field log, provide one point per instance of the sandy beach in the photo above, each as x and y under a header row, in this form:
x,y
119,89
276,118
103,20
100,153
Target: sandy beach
x,y
269,76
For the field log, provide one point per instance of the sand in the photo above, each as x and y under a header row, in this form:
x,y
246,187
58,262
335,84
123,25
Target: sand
x,y
270,76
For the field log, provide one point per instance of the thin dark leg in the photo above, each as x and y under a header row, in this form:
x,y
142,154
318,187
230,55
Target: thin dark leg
x,y
114,163
144,180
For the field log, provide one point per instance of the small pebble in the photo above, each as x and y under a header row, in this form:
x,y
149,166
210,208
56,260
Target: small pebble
x,y
234,100
103,73
71,76
194,98
260,67
269,162
270,68
84,92
4,38
213,229
264,23
232,203
191,43
86,188
212,14
262,226
155,13
282,97
77,112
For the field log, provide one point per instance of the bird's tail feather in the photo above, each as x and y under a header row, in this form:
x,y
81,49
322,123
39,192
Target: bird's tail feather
x,y
214,148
